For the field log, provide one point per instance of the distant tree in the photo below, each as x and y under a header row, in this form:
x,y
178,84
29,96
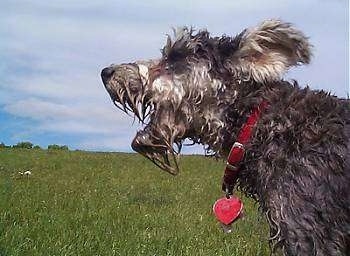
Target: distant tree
x,y
53,147
36,147
64,147
57,147
2,145
25,145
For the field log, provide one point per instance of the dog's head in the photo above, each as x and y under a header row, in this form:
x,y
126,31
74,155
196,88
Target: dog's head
x,y
186,93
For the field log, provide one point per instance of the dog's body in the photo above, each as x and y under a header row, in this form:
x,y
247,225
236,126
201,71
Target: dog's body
x,y
298,167
297,164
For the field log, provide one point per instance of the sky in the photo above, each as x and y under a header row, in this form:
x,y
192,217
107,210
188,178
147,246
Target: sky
x,y
52,52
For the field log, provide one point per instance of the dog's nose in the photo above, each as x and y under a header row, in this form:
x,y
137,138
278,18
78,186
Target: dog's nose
x,y
106,73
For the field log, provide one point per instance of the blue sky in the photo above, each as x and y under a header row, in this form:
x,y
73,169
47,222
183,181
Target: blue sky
x,y
51,54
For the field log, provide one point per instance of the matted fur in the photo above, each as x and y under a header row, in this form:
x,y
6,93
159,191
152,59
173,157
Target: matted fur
x,y
297,165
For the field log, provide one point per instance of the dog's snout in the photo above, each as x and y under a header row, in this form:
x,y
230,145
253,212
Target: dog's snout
x,y
106,73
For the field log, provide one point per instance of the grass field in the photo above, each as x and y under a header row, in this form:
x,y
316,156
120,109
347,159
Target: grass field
x,y
78,203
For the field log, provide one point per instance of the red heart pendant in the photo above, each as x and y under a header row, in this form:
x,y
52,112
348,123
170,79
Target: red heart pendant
x,y
227,210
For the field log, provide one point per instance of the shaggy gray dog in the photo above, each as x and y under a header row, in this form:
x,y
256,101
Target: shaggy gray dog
x,y
297,163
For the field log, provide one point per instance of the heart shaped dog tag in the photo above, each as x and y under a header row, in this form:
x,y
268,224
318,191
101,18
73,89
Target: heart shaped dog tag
x,y
227,210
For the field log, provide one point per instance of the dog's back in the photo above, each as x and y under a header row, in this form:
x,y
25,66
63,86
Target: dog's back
x,y
346,116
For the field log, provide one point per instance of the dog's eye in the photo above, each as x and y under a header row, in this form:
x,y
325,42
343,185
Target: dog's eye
x,y
169,66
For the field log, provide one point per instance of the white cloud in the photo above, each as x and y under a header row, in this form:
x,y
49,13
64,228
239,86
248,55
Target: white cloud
x,y
71,118
57,87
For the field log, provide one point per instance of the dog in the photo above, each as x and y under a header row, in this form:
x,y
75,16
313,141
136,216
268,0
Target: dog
x,y
203,88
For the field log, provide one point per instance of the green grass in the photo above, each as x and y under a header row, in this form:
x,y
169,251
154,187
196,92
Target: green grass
x,y
78,203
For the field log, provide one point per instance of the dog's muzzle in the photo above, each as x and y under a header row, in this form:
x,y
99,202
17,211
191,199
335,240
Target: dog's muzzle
x,y
127,87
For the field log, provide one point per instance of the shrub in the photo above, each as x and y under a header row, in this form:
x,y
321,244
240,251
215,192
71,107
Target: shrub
x,y
25,145
57,147
64,147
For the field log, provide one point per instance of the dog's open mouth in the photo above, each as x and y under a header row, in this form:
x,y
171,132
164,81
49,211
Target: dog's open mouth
x,y
158,150
129,90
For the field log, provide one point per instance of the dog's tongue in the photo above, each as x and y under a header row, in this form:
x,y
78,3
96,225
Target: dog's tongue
x,y
227,210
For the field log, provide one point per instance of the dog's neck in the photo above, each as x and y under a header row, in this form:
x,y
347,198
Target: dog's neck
x,y
249,96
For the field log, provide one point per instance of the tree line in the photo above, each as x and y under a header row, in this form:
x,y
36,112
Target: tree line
x,y
29,145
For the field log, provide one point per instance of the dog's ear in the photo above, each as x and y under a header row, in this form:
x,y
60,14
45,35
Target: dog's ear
x,y
266,52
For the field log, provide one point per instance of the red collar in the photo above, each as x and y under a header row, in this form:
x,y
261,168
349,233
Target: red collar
x,y
237,151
